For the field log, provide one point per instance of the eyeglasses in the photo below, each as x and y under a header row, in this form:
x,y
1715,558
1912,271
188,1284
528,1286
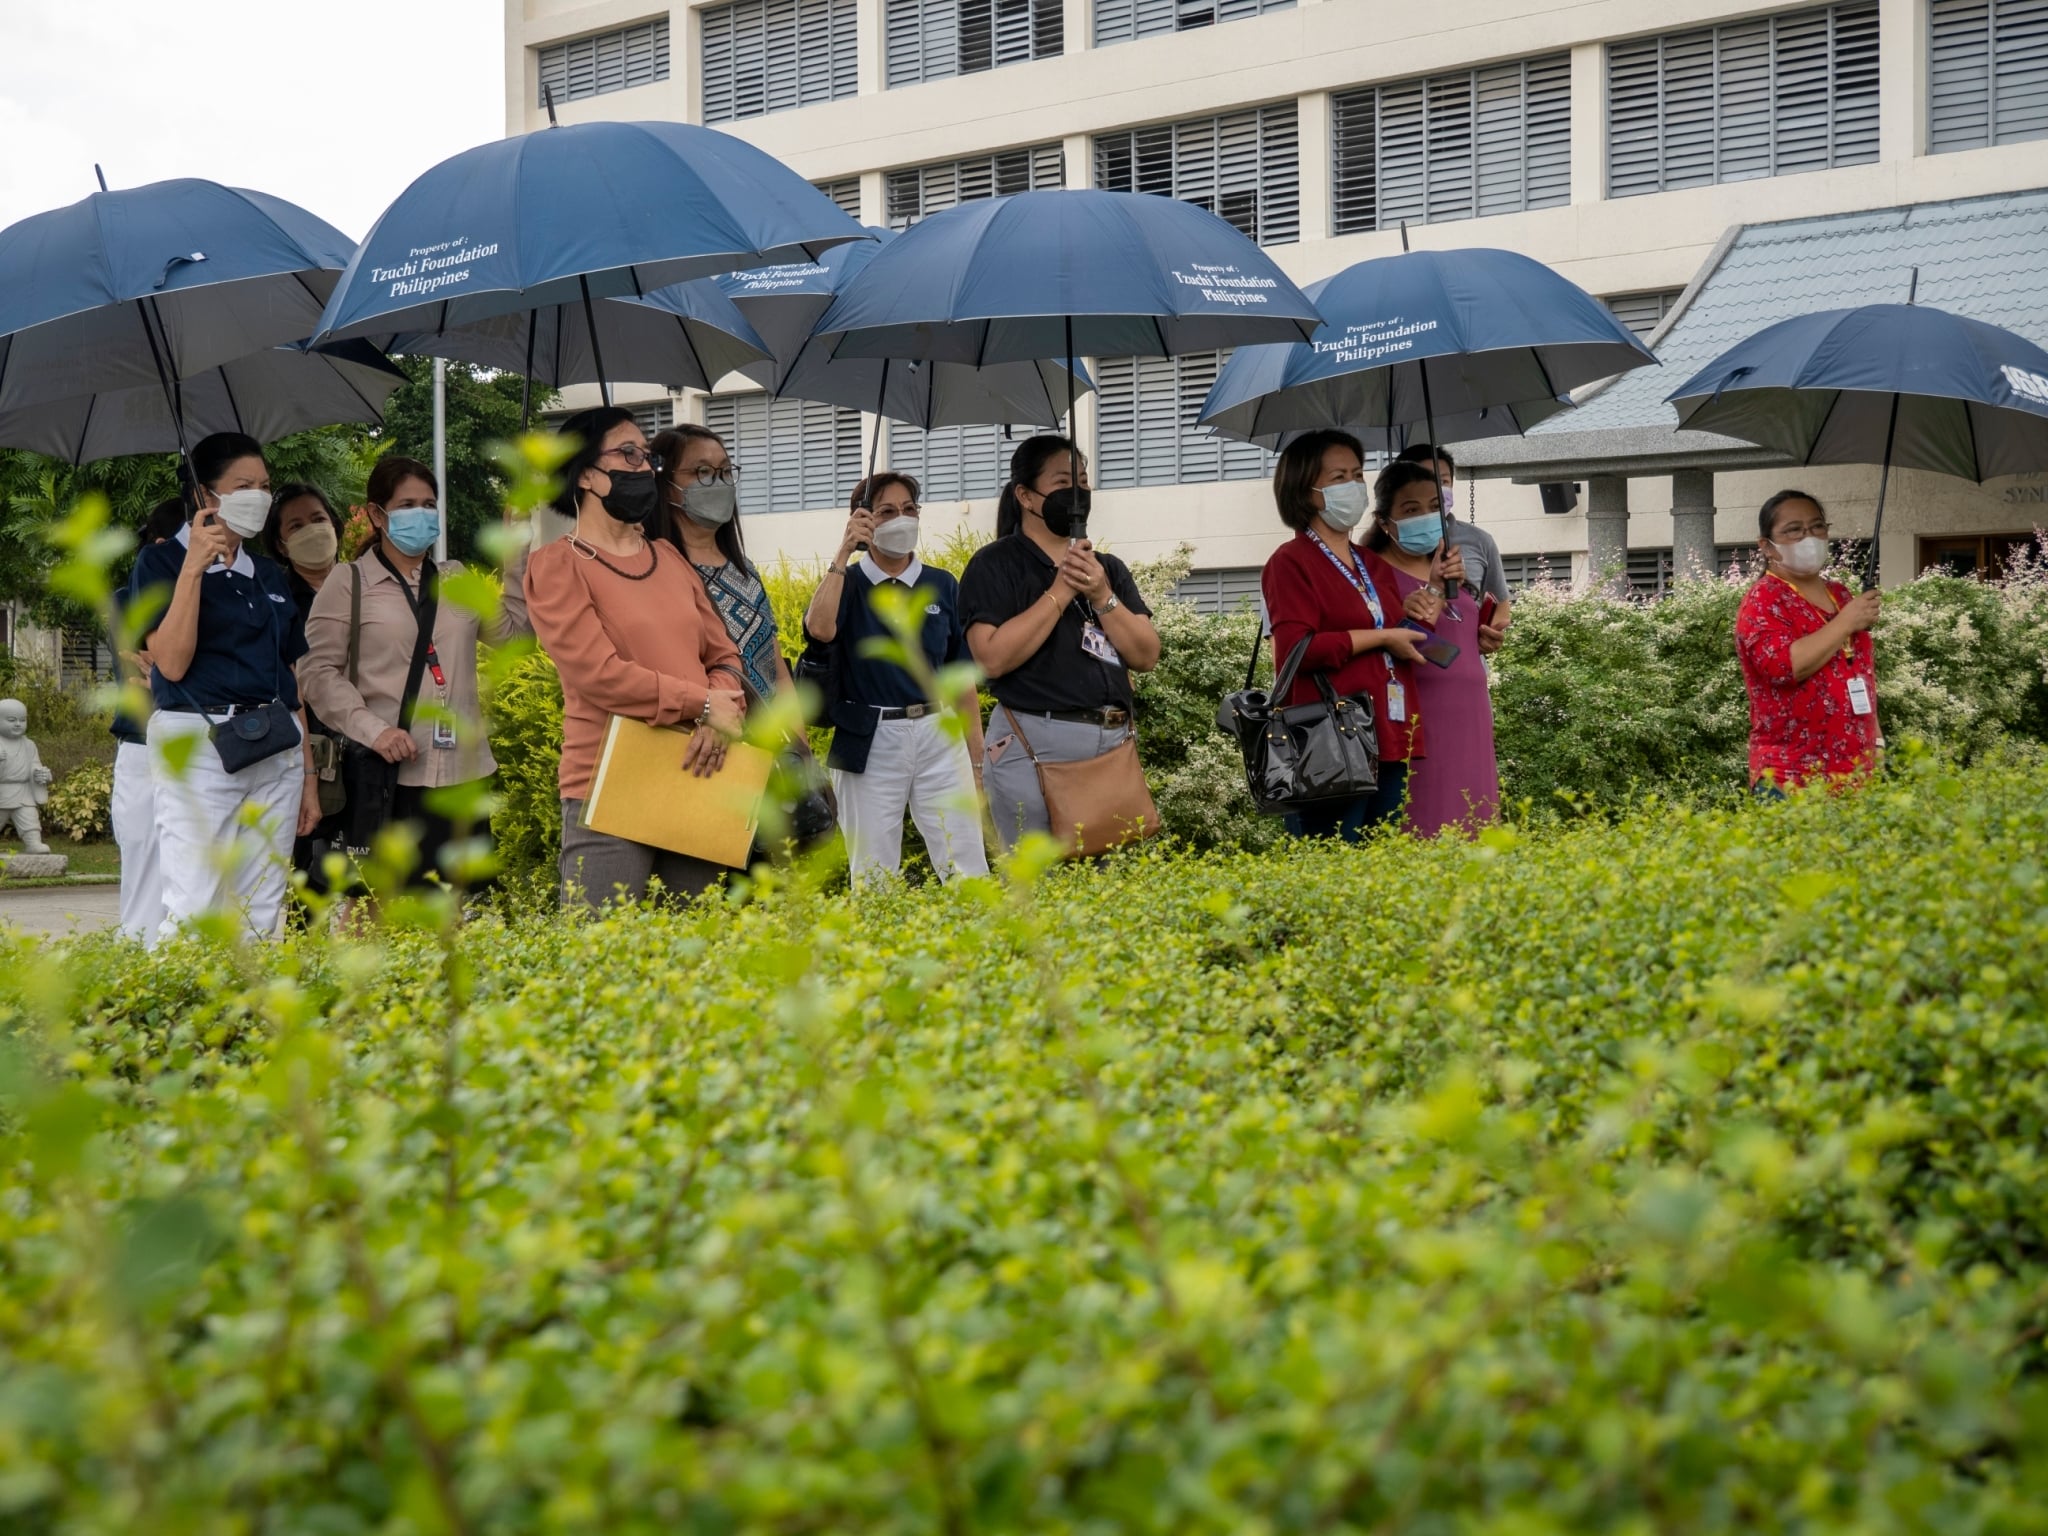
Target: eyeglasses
x,y
1799,531
706,474
635,456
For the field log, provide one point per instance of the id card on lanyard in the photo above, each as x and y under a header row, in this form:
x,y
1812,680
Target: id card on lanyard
x,y
1361,583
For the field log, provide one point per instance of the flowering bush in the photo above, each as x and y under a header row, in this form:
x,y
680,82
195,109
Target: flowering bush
x,y
82,803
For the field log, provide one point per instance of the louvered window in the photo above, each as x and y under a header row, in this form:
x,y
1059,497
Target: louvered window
x,y
1458,146
1643,312
1520,571
845,192
1987,73
934,39
1766,97
1244,165
1120,21
794,455
1221,591
921,189
1146,432
763,56
610,61
955,463
657,416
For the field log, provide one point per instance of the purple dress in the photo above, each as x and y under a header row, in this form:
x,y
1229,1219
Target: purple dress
x,y
1457,782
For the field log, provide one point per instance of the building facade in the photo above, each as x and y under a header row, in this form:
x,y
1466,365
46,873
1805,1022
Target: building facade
x,y
1619,143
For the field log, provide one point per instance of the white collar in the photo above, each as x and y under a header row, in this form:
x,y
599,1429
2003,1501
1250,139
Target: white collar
x,y
876,575
243,565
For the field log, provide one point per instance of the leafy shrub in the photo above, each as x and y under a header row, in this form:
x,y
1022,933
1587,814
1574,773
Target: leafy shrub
x,y
525,710
82,803
1680,1173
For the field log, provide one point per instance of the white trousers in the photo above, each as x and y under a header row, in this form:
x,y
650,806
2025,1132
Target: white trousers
x,y
224,841
913,765
134,817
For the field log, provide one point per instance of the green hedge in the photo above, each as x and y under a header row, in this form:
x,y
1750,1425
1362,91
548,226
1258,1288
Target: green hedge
x,y
1673,1172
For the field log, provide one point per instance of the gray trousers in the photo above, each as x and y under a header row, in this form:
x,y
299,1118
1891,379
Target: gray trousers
x,y
1016,804
597,867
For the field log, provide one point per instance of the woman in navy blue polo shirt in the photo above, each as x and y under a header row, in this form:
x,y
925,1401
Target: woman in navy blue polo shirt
x,y
223,647
890,750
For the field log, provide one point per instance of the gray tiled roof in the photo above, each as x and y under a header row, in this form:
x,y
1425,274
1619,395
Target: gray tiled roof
x,y
1984,257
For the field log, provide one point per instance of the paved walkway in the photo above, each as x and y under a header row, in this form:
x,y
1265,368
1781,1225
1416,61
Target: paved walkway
x,y
61,909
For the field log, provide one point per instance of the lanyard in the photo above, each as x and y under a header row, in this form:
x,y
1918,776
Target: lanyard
x,y
425,619
1361,583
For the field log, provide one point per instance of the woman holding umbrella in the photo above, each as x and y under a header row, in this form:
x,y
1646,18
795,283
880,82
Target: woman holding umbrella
x,y
632,633
1806,654
1057,628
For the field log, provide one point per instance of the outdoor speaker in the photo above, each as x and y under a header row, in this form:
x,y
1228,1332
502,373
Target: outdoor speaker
x,y
1558,497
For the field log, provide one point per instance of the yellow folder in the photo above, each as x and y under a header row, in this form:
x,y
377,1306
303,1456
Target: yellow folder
x,y
642,792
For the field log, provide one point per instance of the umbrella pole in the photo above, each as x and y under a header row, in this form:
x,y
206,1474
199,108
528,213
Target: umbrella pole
x,y
1883,483
604,384
163,377
1074,457
1436,470
526,384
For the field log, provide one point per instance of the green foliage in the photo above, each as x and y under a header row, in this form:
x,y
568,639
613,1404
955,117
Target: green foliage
x,y
525,710
1684,1177
35,492
82,803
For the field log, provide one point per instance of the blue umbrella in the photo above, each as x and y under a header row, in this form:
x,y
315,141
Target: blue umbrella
x,y
268,395
785,303
152,284
1884,383
571,215
689,335
1467,343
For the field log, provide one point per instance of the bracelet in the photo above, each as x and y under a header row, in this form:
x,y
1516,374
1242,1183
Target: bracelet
x,y
704,714
835,570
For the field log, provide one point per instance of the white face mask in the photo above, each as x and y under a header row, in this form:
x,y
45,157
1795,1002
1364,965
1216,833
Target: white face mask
x,y
1344,504
243,513
897,537
1809,557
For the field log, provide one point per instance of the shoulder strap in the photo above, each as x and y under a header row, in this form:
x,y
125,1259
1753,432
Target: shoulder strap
x,y
1251,670
1017,730
424,611
355,621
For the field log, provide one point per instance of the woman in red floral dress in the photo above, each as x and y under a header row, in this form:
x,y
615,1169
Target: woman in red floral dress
x,y
1804,643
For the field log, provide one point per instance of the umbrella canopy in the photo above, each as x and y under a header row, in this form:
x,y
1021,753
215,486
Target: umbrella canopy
x,y
689,336
1457,344
132,288
268,395
590,211
785,303
1885,383
1062,274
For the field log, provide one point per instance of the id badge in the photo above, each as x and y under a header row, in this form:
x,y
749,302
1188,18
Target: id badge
x,y
444,736
1097,644
1397,701
1859,696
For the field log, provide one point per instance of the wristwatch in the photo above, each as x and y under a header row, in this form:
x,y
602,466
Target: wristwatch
x,y
1109,604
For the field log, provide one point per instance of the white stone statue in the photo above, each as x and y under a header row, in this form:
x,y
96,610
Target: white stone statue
x,y
24,781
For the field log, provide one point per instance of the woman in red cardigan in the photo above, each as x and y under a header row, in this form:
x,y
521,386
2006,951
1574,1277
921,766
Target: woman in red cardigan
x,y
1343,599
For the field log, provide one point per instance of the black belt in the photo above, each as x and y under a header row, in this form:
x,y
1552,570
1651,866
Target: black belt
x,y
908,711
230,710
1109,718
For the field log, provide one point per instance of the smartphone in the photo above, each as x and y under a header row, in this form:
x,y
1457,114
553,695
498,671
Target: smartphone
x,y
1438,653
1486,611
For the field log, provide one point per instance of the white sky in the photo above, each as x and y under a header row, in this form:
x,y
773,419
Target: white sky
x,y
335,105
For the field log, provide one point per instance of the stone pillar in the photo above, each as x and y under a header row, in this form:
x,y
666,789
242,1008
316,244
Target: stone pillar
x,y
1589,123
1692,523
1607,531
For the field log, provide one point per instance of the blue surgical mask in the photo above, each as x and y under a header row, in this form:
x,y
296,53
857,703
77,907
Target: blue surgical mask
x,y
412,530
1420,535
1344,504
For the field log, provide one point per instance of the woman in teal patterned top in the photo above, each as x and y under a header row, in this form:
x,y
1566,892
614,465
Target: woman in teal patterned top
x,y
701,518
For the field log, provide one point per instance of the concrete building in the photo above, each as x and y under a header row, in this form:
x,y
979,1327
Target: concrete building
x,y
1633,145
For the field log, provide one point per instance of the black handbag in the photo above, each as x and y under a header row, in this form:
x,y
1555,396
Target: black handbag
x,y
369,780
1303,754
252,735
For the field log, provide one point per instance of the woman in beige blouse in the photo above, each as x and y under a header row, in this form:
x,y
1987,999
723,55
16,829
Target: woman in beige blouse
x,y
445,742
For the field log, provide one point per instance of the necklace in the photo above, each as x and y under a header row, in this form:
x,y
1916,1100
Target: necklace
x,y
590,551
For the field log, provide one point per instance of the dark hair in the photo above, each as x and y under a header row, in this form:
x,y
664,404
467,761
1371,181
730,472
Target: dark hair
x,y
879,482
1026,464
1299,466
1422,453
669,445
392,471
587,430
210,459
1767,516
164,520
1400,473
273,525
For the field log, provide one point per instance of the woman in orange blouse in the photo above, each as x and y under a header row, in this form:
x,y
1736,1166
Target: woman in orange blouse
x,y
632,633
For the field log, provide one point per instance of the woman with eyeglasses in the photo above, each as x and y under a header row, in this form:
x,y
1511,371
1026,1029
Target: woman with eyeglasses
x,y
890,751
632,632
1807,659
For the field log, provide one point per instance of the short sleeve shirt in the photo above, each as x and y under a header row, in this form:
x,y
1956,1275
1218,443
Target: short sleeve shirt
x,y
1802,730
1007,577
1482,559
250,631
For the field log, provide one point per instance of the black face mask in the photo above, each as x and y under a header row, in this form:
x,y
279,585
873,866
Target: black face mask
x,y
1066,512
633,496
